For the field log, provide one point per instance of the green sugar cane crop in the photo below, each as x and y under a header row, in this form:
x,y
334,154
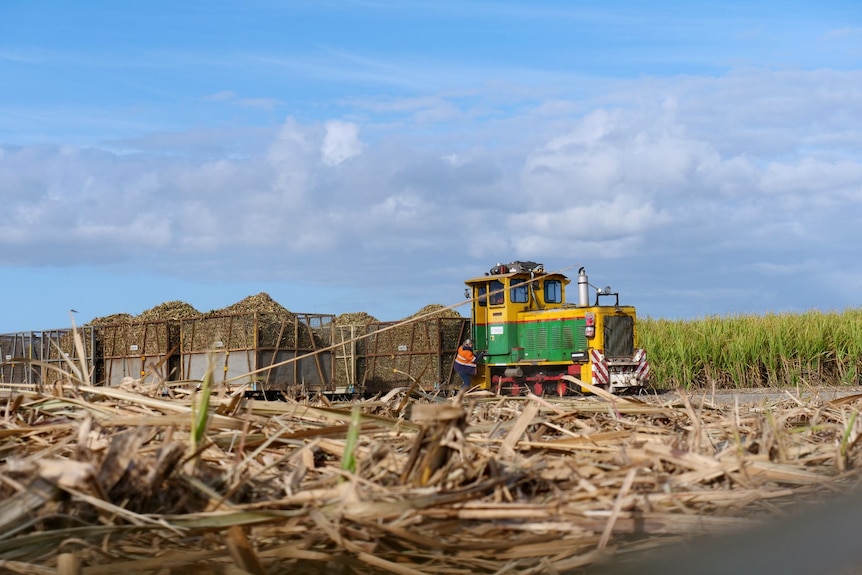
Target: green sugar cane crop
x,y
744,351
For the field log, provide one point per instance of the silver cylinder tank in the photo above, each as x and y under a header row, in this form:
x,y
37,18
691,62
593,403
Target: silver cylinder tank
x,y
583,289
513,372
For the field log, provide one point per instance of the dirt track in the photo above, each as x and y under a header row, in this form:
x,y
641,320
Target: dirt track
x,y
724,397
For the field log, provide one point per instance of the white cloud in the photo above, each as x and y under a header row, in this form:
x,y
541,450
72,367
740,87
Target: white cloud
x,y
262,103
292,155
341,142
223,96
619,226
828,181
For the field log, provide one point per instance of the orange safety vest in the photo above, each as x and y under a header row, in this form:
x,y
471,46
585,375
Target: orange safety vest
x,y
466,357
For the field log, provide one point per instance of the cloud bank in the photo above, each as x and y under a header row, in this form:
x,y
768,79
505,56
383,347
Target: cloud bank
x,y
699,194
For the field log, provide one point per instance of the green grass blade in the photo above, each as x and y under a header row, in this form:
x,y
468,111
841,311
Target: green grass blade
x,y
348,461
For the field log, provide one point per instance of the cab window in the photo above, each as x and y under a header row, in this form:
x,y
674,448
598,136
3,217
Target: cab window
x,y
497,295
519,292
482,296
553,291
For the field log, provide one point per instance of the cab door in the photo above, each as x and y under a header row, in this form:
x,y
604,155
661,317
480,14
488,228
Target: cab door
x,y
480,317
502,336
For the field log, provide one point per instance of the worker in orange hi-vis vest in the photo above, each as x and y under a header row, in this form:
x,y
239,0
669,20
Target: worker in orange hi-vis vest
x,y
465,362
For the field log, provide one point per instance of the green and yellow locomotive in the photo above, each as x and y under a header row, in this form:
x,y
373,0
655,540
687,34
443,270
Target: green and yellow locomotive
x,y
531,337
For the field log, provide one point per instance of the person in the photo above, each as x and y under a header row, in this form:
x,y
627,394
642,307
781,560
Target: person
x,y
465,363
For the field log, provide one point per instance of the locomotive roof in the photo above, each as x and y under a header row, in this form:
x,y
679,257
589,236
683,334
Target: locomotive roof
x,y
518,274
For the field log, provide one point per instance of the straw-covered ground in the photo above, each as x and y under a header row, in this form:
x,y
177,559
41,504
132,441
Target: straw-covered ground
x,y
125,480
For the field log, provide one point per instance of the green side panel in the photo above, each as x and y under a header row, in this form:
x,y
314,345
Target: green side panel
x,y
575,330
502,337
530,340
480,336
552,340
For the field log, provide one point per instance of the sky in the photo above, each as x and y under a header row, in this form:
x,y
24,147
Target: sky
x,y
701,158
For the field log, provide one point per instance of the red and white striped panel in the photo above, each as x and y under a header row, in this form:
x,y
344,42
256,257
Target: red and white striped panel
x,y
642,371
600,368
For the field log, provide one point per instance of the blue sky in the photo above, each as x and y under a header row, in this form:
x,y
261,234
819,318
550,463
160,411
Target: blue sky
x,y
701,158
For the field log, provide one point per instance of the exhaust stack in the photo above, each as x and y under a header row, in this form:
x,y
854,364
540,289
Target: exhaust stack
x,y
583,289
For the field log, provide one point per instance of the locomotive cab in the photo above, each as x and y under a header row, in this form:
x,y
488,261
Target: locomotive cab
x,y
533,339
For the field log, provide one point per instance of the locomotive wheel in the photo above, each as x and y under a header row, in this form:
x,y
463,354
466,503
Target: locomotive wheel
x,y
538,389
515,389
